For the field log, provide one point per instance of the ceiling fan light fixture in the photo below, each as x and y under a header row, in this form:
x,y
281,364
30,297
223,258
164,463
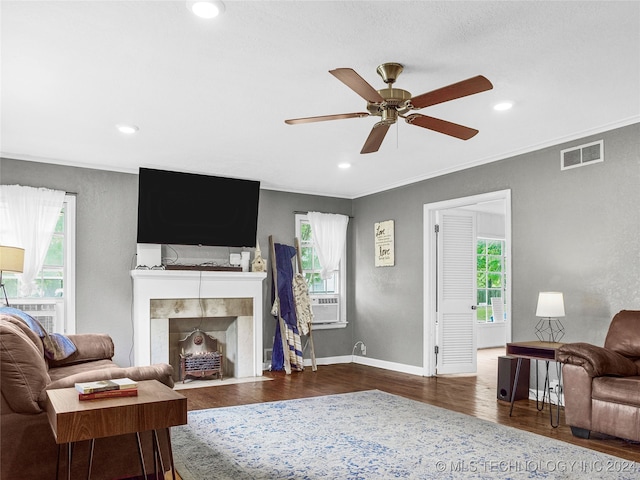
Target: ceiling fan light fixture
x,y
206,8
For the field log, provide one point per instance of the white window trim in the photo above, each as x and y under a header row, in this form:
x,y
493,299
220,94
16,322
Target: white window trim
x,y
70,265
343,322
65,306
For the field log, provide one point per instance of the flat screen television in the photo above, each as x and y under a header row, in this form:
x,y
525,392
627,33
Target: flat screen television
x,y
190,209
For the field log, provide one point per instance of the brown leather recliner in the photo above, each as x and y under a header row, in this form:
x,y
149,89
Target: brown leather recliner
x,y
602,385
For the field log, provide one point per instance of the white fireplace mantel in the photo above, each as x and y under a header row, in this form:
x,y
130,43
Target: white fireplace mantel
x,y
183,284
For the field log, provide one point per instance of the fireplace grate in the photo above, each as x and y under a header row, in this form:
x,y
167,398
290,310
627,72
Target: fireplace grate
x,y
199,357
201,365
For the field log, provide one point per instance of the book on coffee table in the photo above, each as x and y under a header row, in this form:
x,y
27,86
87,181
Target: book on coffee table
x,y
125,383
128,392
105,385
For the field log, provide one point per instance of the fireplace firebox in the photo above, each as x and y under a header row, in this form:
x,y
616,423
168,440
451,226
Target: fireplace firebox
x,y
161,295
199,356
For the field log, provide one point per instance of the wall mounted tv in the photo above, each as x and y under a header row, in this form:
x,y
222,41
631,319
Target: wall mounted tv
x,y
190,209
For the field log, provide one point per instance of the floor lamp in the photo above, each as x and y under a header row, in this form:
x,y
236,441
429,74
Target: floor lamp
x,y
11,260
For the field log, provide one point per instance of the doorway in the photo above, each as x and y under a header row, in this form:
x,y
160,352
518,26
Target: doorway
x,y
432,329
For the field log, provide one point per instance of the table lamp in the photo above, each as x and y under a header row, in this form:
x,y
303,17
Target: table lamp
x,y
11,260
550,308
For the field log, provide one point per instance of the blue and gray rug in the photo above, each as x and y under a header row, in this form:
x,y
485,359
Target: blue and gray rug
x,y
372,435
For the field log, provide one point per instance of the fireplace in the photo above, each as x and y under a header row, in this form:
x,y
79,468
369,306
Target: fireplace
x,y
226,302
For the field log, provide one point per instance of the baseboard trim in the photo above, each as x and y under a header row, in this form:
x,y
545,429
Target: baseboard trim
x,y
328,360
551,397
319,361
370,362
396,367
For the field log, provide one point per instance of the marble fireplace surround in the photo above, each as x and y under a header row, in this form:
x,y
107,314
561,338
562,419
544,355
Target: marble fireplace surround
x,y
160,295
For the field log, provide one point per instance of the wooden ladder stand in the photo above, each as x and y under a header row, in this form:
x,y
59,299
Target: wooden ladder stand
x,y
314,367
283,328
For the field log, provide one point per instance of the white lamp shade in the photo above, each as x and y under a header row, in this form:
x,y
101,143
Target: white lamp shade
x,y
11,259
550,304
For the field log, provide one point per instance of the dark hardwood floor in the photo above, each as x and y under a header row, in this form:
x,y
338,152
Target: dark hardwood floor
x,y
469,394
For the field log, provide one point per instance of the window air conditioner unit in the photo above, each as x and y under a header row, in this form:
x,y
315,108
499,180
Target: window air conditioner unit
x,y
48,312
326,308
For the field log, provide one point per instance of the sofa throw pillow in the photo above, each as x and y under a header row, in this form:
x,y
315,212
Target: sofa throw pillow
x,y
31,322
56,346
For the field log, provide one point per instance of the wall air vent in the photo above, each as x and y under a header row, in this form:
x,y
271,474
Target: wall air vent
x,y
582,155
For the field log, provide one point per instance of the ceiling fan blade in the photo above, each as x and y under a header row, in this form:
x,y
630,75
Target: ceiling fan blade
x,y
324,118
358,84
461,89
441,126
375,138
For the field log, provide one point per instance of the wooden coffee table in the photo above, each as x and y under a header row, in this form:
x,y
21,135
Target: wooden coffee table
x,y
155,408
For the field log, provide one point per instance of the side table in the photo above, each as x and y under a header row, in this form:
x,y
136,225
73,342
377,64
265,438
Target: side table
x,y
155,408
536,350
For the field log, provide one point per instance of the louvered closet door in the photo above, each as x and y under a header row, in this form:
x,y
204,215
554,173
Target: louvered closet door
x,y
456,292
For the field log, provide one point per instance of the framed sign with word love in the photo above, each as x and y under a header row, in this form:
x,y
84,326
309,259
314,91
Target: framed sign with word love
x,y
384,253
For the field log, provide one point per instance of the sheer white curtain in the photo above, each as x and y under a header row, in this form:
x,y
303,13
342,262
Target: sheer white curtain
x,y
329,232
28,219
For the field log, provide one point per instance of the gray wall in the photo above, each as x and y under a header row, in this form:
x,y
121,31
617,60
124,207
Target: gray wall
x,y
576,231
106,246
105,242
276,217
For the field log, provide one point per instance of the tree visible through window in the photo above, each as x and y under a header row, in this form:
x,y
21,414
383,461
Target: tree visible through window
x,y
327,295
310,263
490,277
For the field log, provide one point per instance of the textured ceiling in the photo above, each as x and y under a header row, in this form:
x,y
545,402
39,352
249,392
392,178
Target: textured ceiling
x,y
211,96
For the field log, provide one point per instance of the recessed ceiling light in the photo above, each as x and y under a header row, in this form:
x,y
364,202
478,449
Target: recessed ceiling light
x,y
344,165
503,106
205,8
127,129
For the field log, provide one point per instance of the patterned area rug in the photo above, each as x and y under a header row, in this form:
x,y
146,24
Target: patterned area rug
x,y
372,435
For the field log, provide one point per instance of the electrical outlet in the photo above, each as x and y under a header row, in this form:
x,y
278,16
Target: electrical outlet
x,y
554,386
364,349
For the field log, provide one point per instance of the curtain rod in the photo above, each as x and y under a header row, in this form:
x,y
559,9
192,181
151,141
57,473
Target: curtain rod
x,y
304,213
75,194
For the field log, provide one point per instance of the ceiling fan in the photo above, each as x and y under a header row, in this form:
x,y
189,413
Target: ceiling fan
x,y
391,103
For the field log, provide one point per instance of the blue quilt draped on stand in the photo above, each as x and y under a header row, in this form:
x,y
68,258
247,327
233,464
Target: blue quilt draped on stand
x,y
287,309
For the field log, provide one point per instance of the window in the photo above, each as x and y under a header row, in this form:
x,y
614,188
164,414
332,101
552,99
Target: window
x,y
53,304
490,277
327,295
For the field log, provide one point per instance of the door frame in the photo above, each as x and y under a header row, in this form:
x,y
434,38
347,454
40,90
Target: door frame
x,y
429,267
